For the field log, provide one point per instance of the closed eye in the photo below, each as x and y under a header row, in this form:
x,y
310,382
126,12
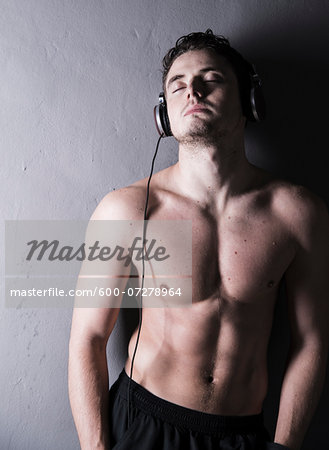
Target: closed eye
x,y
178,89
215,80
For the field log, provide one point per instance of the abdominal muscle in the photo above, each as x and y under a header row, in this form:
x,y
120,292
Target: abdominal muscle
x,y
210,357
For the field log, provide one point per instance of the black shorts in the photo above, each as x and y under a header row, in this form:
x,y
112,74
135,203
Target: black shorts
x,y
156,424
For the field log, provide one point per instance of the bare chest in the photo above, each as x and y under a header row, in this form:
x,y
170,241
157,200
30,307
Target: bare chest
x,y
239,255
245,258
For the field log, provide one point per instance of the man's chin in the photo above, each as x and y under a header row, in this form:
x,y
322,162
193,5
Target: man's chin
x,y
204,133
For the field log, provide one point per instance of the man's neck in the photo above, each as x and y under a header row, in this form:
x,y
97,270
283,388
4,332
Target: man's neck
x,y
213,173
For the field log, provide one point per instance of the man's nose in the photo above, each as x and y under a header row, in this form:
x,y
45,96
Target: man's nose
x,y
195,89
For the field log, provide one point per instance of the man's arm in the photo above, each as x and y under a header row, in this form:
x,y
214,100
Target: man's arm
x,y
88,374
91,328
307,281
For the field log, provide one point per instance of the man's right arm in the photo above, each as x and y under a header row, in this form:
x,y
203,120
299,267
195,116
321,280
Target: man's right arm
x,y
91,328
88,374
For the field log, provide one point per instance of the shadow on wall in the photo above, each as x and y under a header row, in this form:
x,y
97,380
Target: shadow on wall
x,y
291,56
293,142
117,350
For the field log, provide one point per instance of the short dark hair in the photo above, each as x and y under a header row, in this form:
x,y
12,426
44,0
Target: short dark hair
x,y
221,45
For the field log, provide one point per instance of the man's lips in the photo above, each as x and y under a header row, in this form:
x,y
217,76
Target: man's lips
x,y
195,109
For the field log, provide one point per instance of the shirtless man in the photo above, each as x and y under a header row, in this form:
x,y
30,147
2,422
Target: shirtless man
x,y
195,366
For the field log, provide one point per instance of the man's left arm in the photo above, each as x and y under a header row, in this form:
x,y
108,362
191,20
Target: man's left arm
x,y
307,282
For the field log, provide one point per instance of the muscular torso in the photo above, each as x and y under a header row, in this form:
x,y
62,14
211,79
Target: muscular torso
x,y
211,356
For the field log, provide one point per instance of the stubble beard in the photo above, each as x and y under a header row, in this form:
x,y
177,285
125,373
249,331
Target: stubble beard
x,y
203,133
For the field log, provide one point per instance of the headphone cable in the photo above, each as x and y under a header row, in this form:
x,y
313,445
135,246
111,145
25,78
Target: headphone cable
x,y
140,308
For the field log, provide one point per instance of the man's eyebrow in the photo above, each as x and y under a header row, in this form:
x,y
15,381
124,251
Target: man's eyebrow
x,y
174,78
205,69
211,69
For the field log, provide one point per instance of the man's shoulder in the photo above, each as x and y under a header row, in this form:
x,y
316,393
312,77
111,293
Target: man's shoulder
x,y
126,203
293,198
298,207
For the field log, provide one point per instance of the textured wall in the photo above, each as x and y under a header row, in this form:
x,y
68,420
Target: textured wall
x,y
78,82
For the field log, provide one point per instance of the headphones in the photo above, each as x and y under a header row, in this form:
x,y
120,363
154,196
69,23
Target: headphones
x,y
253,104
161,117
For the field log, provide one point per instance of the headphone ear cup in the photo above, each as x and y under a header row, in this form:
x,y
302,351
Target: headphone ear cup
x,y
257,104
165,119
256,109
161,117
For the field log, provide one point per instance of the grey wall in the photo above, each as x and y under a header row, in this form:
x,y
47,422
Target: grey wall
x,y
78,81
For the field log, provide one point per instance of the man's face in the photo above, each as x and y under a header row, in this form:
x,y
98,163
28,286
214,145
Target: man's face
x,y
202,96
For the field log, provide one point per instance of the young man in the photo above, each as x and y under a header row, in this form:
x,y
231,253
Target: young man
x,y
200,374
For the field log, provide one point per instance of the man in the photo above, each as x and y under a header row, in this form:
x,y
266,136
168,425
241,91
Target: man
x,y
200,374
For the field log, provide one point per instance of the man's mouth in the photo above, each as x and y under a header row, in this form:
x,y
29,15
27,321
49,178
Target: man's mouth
x,y
195,109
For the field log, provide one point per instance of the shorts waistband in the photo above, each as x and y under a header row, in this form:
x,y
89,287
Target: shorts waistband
x,y
181,416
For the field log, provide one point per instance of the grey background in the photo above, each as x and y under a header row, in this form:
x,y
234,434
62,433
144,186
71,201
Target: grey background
x,y
78,83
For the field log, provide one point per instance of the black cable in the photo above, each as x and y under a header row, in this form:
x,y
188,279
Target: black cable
x,y
140,308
